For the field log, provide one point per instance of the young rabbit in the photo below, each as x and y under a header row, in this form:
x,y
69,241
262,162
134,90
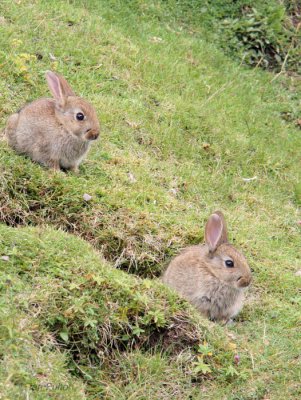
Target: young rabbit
x,y
54,132
211,276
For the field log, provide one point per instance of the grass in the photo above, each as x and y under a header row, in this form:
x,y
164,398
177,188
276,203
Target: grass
x,y
182,127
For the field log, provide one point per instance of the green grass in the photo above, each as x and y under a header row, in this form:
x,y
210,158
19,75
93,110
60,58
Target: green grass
x,y
182,126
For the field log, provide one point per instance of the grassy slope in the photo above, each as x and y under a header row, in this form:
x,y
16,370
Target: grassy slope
x,y
161,101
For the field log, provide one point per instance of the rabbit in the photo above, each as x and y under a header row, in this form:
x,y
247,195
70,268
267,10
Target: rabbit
x,y
55,132
212,276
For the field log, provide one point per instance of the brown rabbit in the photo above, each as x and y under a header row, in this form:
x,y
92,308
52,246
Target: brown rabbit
x,y
211,276
54,132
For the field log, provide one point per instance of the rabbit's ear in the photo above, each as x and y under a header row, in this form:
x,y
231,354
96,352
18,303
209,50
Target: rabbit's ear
x,y
59,87
224,237
215,231
65,86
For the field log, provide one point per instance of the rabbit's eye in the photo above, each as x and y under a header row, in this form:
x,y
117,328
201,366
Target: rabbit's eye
x,y
229,263
80,116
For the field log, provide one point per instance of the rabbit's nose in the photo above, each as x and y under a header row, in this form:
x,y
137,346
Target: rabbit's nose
x,y
244,281
92,134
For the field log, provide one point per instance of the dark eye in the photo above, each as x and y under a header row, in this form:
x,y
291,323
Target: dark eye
x,y
80,116
229,263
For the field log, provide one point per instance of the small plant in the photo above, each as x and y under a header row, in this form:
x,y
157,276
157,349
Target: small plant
x,y
257,38
201,365
266,38
21,61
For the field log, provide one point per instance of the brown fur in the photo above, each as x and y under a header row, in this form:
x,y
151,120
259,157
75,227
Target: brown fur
x,y
200,275
47,130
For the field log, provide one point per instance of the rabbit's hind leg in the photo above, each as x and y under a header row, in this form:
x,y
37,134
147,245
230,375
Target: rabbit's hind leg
x,y
10,129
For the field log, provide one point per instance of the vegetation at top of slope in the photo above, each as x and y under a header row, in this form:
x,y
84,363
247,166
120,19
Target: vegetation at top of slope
x,y
259,33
